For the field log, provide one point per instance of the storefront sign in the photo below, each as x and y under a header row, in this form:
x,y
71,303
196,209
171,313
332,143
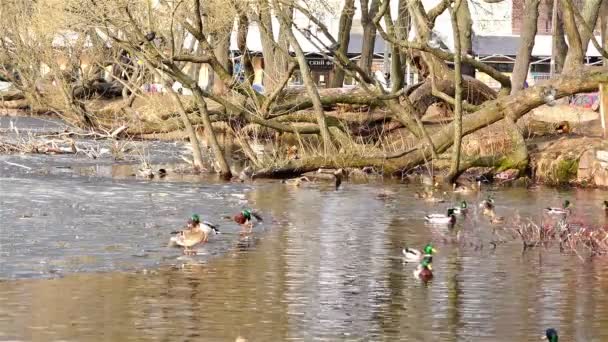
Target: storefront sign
x,y
319,63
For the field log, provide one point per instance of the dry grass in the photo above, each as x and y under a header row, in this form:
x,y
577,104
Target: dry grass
x,y
573,236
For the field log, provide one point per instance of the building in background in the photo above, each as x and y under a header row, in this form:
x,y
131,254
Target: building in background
x,y
495,39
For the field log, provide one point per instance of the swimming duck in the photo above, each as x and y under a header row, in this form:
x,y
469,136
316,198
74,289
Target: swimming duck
x,y
462,209
466,189
494,219
385,195
296,181
244,219
424,270
195,234
412,254
551,335
442,218
488,206
564,210
339,174
428,196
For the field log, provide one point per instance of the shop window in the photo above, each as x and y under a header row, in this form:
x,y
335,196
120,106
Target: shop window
x,y
540,68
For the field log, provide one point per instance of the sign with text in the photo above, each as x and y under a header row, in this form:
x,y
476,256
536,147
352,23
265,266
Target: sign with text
x,y
319,63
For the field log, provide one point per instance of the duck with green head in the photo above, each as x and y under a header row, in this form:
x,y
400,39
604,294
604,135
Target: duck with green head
x,y
551,335
564,210
450,218
197,232
414,255
424,271
244,219
462,209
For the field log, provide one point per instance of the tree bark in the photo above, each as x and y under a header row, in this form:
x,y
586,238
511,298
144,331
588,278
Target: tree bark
x,y
246,65
604,28
559,48
346,23
310,86
590,13
524,53
222,45
575,56
455,165
197,156
424,28
210,134
402,30
465,28
368,12
275,60
519,156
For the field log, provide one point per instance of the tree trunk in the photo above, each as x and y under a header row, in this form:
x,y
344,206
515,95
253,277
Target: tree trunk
x,y
368,12
520,74
455,165
526,44
246,65
222,45
275,61
575,56
346,23
402,30
197,156
465,27
604,28
310,86
268,47
590,13
210,134
560,48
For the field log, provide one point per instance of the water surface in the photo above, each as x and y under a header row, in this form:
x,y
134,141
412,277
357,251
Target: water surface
x,y
85,258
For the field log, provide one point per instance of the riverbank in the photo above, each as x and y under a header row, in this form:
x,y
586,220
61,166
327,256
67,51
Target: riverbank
x,y
556,157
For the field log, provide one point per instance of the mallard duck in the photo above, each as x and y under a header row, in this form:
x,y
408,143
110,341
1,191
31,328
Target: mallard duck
x,y
244,218
466,189
462,209
424,270
441,218
428,196
195,234
338,175
551,335
385,195
296,181
145,171
564,210
412,254
495,219
487,206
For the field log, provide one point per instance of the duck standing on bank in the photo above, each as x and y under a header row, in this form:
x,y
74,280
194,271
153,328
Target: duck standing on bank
x,y
195,234
414,255
244,219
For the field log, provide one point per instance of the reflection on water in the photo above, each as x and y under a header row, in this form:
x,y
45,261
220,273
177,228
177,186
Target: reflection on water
x,y
325,265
